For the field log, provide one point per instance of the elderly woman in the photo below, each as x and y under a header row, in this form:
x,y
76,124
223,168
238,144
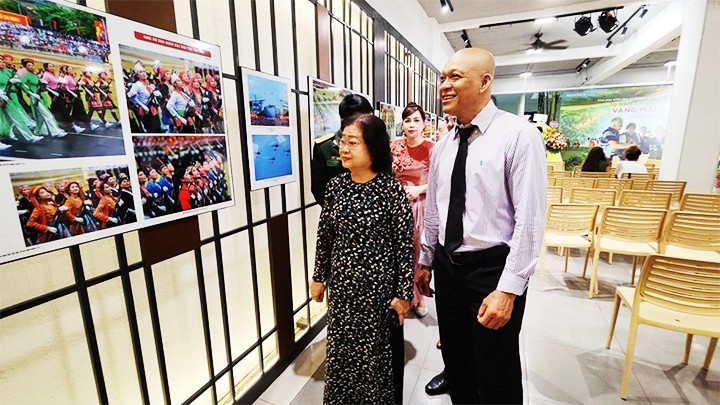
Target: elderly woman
x,y
365,255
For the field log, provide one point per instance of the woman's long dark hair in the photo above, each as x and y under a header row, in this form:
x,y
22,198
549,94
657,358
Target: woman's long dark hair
x,y
593,160
377,140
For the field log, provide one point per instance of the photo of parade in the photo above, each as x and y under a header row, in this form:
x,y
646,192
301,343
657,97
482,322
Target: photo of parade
x,y
166,94
60,204
326,99
268,101
56,88
180,173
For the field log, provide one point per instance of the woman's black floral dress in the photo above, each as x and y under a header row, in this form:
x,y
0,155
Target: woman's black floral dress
x,y
365,256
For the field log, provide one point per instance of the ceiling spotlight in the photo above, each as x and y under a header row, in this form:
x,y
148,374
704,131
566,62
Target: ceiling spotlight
x,y
583,25
525,75
607,21
623,32
608,44
545,20
465,39
446,6
585,63
644,11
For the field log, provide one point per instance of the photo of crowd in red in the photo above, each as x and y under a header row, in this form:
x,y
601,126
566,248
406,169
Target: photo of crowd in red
x,y
181,173
60,204
166,94
56,89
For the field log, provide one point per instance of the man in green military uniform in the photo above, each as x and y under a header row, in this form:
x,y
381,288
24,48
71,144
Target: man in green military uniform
x,y
326,162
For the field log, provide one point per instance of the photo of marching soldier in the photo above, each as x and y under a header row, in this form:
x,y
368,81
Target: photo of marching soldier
x,y
181,173
60,204
56,89
169,95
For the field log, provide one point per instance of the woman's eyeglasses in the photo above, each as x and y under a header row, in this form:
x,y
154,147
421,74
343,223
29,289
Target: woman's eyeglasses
x,y
350,144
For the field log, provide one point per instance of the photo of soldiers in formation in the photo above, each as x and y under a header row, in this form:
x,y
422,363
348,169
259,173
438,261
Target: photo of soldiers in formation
x,y
171,95
181,173
56,89
63,204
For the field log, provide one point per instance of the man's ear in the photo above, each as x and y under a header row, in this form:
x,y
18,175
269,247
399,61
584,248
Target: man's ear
x,y
486,81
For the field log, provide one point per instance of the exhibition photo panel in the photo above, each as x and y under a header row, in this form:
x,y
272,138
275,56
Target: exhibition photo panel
x,y
269,130
181,173
167,94
57,96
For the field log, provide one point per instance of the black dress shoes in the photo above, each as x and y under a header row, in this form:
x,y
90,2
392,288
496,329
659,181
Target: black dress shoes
x,y
438,385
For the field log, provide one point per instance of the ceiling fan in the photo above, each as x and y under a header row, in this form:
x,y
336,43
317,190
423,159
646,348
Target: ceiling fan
x,y
538,45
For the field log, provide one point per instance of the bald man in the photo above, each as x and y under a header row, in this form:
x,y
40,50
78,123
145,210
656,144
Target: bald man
x,y
484,220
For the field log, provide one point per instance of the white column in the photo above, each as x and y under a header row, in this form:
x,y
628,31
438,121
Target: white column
x,y
692,145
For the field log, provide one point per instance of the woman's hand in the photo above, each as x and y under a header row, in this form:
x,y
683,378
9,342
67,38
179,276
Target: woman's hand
x,y
317,291
413,192
402,307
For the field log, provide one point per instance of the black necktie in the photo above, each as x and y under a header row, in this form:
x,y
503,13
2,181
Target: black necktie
x,y
456,208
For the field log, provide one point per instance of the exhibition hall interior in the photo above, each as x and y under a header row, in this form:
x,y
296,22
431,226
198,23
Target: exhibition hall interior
x,y
160,221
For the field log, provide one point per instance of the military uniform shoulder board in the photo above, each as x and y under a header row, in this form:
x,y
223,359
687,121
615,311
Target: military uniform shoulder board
x,y
324,137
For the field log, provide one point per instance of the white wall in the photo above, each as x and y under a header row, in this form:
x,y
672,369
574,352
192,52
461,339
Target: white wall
x,y
423,32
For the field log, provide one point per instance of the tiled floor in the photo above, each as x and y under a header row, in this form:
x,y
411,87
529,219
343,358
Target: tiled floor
x,y
563,351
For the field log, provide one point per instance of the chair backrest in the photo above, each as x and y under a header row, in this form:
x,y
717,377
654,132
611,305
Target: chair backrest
x,y
576,170
559,173
551,181
644,199
639,176
684,285
675,187
701,203
554,195
574,182
571,219
649,165
692,230
594,175
598,196
550,168
632,224
614,184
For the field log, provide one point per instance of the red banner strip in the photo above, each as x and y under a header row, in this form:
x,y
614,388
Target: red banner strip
x,y
171,44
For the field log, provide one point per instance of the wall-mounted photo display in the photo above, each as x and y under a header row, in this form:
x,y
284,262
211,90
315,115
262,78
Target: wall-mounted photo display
x,y
178,174
324,103
430,125
66,206
57,96
168,94
269,129
106,126
393,122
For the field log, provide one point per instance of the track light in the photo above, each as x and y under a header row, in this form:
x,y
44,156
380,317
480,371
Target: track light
x,y
608,44
607,21
644,11
585,63
446,6
525,75
465,39
583,25
623,32
546,20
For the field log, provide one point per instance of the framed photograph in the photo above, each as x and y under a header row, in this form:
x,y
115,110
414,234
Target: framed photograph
x,y
269,130
169,94
324,104
57,75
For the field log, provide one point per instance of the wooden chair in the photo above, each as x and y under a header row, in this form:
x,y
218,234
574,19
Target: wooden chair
x,y
551,181
709,203
676,294
554,195
692,235
599,196
574,182
629,231
614,184
644,199
559,174
639,179
568,226
649,165
550,168
576,170
675,187
594,175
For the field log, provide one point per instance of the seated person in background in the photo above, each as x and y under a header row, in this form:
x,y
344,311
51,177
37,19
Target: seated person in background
x,y
595,161
631,164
